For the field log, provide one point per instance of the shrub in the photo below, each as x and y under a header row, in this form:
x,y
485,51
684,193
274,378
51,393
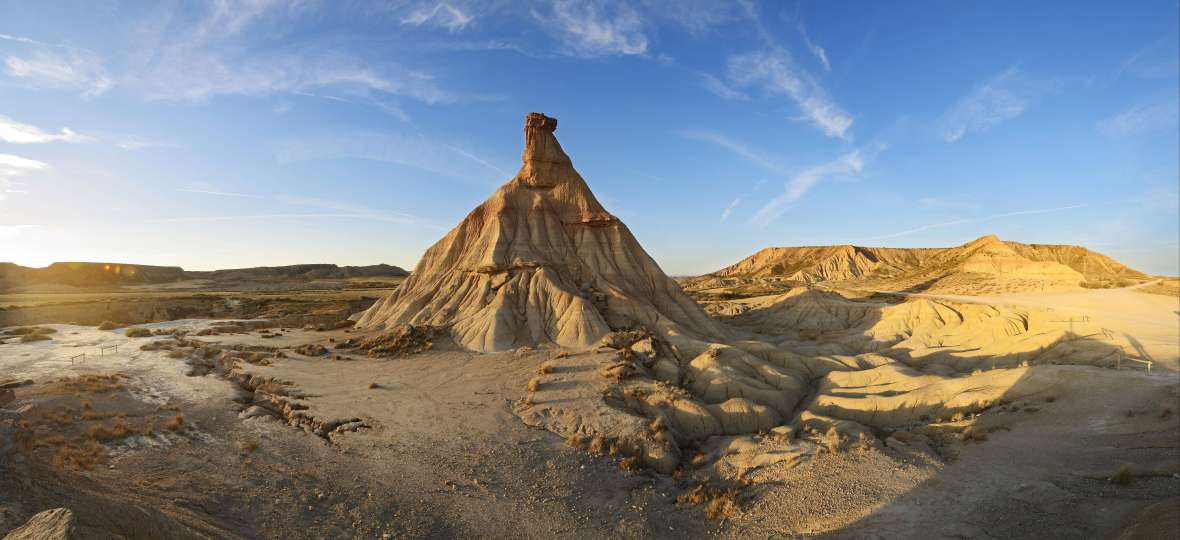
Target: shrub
x,y
34,337
534,384
1123,476
137,332
108,325
175,423
545,369
831,441
972,434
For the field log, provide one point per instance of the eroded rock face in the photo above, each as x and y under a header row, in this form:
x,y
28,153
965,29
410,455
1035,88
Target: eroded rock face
x,y
53,524
540,262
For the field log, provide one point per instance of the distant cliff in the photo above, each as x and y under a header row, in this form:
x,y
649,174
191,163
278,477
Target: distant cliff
x,y
103,274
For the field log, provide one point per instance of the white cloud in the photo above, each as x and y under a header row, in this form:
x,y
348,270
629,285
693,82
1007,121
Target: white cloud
x,y
729,209
999,99
406,150
961,221
735,147
591,28
442,14
71,69
799,184
478,159
775,73
12,231
718,88
12,167
818,52
135,143
1142,118
15,132
15,165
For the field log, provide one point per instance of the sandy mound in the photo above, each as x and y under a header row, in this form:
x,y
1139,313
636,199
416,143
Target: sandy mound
x,y
539,262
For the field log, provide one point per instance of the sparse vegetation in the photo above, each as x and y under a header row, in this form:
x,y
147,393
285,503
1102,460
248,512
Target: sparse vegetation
x,y
534,384
34,337
1123,476
545,369
174,423
137,332
831,442
972,434
720,504
109,325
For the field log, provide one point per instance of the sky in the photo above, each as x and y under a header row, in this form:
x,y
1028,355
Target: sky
x,y
246,133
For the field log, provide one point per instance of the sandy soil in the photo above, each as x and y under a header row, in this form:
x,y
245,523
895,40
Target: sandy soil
x,y
1151,320
443,456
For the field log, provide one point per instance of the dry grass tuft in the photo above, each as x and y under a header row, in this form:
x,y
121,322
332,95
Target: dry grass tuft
x,y
545,369
720,504
175,423
248,446
831,442
629,463
1123,476
137,332
34,337
958,417
534,384
374,386
79,456
575,441
657,425
95,384
971,434
113,432
597,445
108,325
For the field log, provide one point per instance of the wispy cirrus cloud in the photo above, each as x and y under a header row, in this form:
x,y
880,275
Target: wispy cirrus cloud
x,y
734,146
50,65
999,99
820,54
802,182
351,210
775,73
13,167
15,132
441,14
595,28
408,150
1142,118
477,159
729,209
719,88
962,221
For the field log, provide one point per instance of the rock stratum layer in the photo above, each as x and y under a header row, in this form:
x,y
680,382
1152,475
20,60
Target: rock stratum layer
x,y
539,262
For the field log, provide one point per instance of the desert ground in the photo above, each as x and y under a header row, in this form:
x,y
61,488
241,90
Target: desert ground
x,y
538,375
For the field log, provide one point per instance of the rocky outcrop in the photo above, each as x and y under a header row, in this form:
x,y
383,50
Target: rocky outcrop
x,y
53,524
539,262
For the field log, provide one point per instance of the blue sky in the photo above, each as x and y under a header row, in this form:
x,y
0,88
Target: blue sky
x,y
226,134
